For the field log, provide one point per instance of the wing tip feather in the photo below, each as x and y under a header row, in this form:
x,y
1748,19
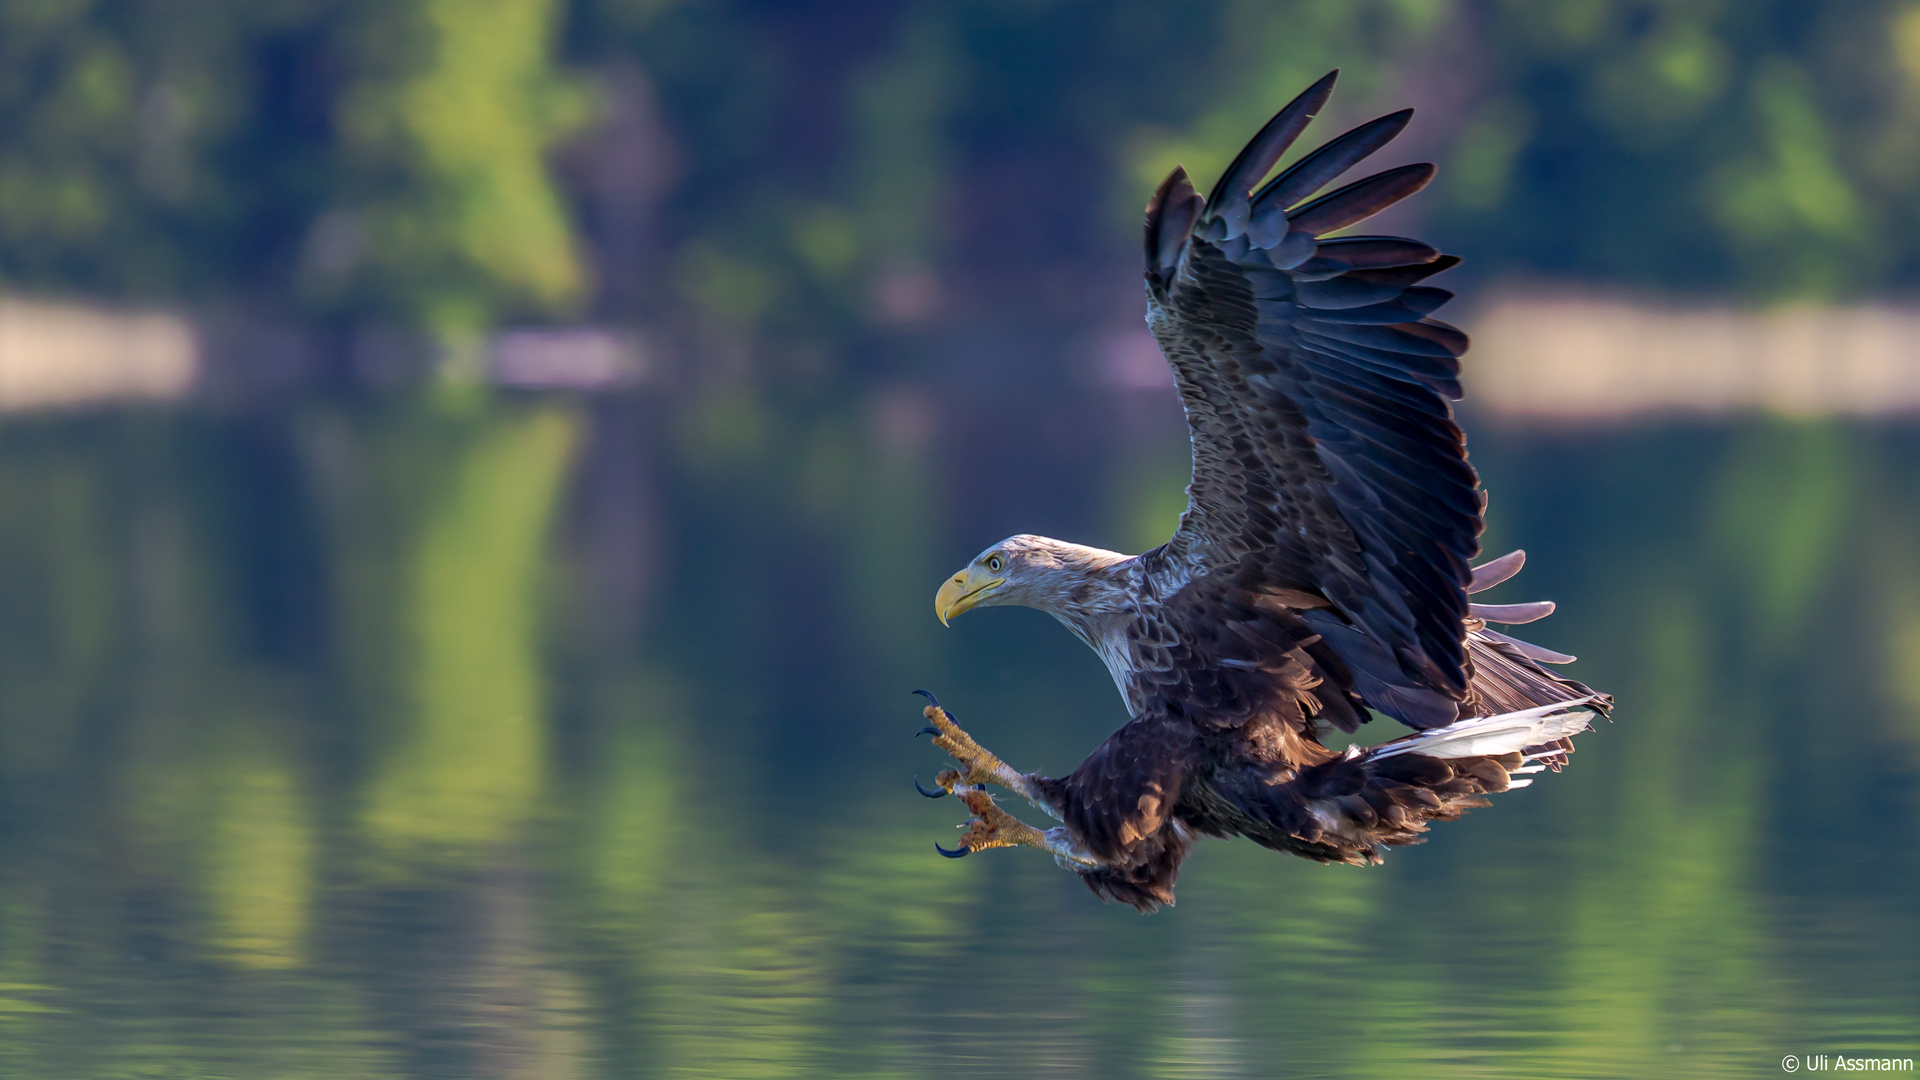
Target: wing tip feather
x,y
1272,140
1171,214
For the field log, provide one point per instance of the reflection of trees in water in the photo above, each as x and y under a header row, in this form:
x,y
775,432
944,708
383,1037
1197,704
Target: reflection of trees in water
x,y
460,829
453,518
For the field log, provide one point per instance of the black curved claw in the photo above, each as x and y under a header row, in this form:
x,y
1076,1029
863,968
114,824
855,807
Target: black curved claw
x,y
931,700
928,730
961,853
936,793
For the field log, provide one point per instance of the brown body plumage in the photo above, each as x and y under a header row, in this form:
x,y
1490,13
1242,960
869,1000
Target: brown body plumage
x,y
1321,568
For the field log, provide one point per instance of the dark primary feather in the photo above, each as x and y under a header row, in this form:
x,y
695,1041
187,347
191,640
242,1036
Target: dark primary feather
x,y
1229,198
1495,571
1347,253
1170,217
1324,165
1360,200
1512,614
1318,396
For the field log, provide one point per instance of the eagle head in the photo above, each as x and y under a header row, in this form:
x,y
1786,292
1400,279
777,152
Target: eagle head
x,y
1054,576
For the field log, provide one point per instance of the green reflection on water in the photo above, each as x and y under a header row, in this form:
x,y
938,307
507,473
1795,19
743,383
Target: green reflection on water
x,y
1784,506
1663,954
258,850
466,755
313,767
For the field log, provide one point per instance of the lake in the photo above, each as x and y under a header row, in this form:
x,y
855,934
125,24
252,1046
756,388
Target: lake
x,y
516,736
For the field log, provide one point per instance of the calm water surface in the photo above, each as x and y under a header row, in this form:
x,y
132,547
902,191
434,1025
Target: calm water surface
x,y
534,738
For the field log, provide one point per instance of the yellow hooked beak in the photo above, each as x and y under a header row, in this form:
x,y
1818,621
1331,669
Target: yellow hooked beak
x,y
962,591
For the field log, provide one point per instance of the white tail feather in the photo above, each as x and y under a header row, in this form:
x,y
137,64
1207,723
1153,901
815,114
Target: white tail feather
x,y
1490,736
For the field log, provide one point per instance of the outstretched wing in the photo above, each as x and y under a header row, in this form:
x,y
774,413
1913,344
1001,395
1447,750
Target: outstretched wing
x,y
1325,454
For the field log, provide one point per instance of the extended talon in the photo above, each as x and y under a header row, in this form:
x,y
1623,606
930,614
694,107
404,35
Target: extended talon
x,y
936,793
928,694
928,730
991,827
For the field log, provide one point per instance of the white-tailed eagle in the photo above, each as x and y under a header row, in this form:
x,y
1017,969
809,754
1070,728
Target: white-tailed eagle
x,y
1321,569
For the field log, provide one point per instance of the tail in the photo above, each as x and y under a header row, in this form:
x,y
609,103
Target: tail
x,y
1513,734
1504,674
1385,795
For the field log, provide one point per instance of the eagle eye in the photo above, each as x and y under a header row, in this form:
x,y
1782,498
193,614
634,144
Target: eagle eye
x,y
995,563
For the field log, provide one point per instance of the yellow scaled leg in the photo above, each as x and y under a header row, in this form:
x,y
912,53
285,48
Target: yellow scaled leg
x,y
991,827
977,766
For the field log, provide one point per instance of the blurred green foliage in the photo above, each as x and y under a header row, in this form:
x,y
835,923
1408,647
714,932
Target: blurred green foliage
x,y
376,160
445,165
447,133
1766,149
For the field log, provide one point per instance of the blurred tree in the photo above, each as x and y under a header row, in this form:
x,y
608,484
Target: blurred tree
x,y
449,214
353,159
1762,149
129,137
838,178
